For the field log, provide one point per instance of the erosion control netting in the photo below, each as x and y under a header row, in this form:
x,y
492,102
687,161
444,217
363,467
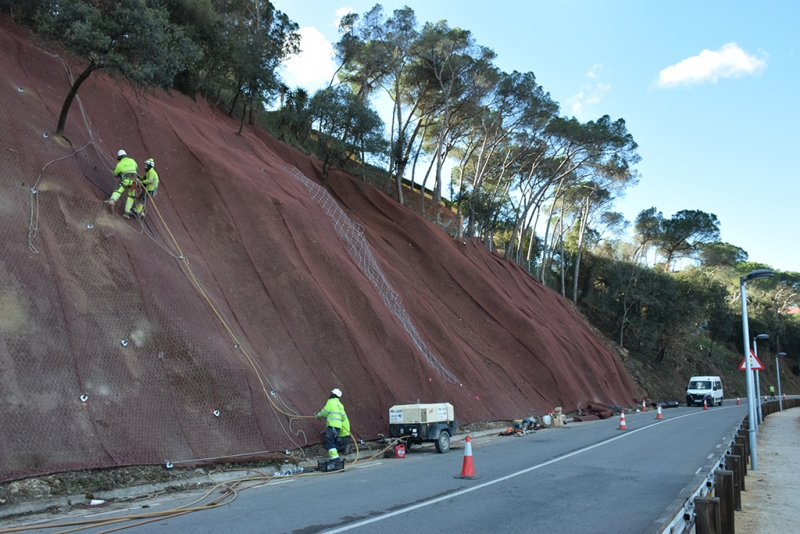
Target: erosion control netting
x,y
250,292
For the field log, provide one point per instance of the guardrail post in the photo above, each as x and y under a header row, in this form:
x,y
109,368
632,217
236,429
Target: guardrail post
x,y
738,450
740,440
723,490
733,462
708,519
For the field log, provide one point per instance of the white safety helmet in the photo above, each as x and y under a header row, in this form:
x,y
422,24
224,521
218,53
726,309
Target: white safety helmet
x,y
121,154
150,163
337,392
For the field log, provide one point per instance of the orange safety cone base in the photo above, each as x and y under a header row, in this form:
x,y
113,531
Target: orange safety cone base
x,y
658,415
622,425
738,401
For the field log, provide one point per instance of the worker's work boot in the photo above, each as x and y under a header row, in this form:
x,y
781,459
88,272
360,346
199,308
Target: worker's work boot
x,y
139,214
109,204
126,215
333,453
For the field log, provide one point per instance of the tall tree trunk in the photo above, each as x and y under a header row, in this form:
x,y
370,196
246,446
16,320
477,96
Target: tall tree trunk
x,y
582,230
235,99
62,119
252,119
561,253
241,122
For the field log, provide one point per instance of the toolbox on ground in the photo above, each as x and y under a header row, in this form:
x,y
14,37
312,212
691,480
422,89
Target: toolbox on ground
x,y
423,422
330,464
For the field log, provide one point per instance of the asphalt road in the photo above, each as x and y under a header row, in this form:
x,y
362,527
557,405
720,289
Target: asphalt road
x,y
586,477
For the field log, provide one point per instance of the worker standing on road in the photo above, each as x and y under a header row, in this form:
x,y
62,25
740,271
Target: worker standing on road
x,y
149,187
772,392
334,414
125,172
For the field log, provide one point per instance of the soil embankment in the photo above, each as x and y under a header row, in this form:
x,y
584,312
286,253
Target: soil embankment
x,y
249,294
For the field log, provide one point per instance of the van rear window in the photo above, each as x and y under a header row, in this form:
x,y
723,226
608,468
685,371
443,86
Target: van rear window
x,y
700,384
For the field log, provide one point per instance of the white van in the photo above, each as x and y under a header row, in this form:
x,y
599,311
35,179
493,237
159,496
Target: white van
x,y
704,387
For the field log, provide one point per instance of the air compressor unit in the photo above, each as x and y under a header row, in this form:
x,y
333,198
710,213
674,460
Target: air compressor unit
x,y
423,422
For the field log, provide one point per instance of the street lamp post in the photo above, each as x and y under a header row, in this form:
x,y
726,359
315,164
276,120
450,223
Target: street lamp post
x,y
778,372
751,431
758,379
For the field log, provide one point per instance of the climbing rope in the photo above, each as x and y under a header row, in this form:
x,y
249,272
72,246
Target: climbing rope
x,y
172,248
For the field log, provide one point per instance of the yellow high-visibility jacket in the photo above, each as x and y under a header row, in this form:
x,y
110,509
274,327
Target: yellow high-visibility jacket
x,y
344,432
334,413
150,181
125,166
126,171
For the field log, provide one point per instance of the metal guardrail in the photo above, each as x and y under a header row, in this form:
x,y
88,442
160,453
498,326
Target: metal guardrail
x,y
683,519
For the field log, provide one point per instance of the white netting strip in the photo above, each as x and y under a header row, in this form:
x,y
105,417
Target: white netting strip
x,y
352,234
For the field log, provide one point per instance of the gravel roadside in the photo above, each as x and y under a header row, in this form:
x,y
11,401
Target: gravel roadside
x,y
772,500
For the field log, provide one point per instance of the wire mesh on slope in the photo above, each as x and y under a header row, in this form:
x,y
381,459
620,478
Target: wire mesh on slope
x,y
352,234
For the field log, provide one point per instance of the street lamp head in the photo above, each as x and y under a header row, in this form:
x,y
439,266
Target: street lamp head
x,y
781,354
762,336
758,273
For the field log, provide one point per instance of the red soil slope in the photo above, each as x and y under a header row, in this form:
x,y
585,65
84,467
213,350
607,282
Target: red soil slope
x,y
193,338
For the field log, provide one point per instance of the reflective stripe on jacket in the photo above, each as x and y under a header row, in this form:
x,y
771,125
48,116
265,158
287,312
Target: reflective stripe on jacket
x,y
334,413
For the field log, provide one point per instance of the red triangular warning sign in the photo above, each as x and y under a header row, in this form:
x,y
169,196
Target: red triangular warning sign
x,y
755,363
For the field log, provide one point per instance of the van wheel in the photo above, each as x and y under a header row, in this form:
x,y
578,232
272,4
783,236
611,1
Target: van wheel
x,y
443,443
720,402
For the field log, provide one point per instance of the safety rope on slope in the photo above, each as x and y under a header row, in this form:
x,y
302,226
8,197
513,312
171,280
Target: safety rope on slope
x,y
185,267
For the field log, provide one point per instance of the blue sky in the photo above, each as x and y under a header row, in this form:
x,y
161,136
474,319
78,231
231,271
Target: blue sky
x,y
710,91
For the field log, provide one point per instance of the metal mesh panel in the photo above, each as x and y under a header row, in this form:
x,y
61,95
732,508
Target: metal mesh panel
x,y
353,235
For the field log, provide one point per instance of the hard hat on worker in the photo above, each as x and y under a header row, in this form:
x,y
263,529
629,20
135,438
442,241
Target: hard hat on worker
x,y
337,392
121,154
150,163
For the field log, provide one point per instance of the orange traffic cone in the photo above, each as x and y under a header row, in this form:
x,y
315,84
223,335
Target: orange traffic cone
x,y
659,416
705,404
467,469
622,425
644,406
738,401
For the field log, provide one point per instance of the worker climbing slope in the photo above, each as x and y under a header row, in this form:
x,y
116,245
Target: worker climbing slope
x,y
336,418
149,187
126,174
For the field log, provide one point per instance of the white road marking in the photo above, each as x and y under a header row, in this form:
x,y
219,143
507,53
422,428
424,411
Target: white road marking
x,y
698,470
501,479
710,456
370,464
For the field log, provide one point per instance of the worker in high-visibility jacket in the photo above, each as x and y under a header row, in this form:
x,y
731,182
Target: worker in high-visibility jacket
x,y
149,187
126,173
336,418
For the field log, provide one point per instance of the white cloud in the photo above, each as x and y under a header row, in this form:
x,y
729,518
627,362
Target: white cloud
x,y
730,61
582,104
593,71
313,67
